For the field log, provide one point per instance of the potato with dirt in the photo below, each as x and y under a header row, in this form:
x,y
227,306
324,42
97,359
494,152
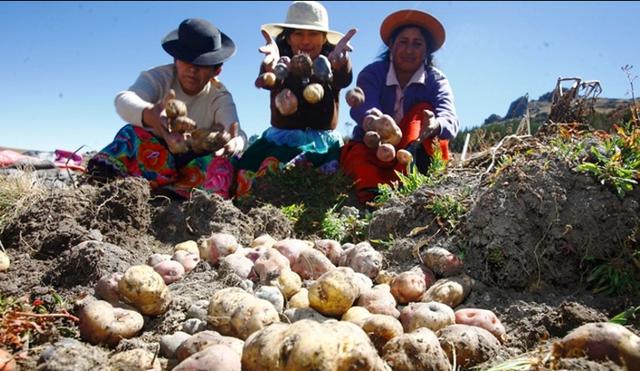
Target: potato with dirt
x,y
270,265
309,345
145,289
469,345
331,249
334,292
205,339
134,359
379,300
107,288
418,350
5,262
362,258
408,286
432,315
170,270
381,328
311,264
600,341
101,323
188,259
451,291
299,299
357,315
217,246
289,283
483,318
442,262
234,312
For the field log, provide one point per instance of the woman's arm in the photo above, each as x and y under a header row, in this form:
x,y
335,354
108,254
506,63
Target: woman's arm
x,y
444,106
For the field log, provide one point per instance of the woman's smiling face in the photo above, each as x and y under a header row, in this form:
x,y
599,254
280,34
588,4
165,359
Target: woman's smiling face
x,y
409,50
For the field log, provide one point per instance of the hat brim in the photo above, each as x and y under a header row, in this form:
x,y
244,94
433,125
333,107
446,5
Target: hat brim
x,y
413,17
274,29
172,45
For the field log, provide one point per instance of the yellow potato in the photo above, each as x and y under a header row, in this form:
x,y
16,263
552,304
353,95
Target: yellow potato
x,y
145,289
334,292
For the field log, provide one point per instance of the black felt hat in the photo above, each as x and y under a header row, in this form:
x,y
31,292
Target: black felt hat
x,y
197,41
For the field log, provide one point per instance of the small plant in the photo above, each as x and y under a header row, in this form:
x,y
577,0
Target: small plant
x,y
624,317
447,211
344,227
413,180
384,244
293,212
611,277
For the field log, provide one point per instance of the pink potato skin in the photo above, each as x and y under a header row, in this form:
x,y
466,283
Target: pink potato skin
x,y
482,318
170,270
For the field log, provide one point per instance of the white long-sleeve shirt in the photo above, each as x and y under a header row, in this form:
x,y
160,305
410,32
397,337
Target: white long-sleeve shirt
x,y
213,105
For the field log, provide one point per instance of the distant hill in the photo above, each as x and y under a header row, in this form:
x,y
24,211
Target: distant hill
x,y
607,112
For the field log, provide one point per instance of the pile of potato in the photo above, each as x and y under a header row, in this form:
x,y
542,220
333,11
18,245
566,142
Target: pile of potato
x,y
315,305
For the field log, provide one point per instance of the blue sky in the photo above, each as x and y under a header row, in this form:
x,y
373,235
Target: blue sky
x,y
62,63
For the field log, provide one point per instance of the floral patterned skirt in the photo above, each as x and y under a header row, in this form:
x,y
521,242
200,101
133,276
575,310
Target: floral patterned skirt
x,y
137,152
278,148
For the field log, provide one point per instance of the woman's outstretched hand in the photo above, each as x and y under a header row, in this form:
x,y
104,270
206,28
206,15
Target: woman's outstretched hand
x,y
271,52
339,57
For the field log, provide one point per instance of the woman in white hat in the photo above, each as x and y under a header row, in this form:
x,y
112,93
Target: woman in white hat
x,y
302,128
146,148
404,84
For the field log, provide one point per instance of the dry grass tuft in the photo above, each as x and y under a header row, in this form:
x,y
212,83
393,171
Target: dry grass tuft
x,y
17,192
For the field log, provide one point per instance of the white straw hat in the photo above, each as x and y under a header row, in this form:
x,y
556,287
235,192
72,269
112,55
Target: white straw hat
x,y
305,15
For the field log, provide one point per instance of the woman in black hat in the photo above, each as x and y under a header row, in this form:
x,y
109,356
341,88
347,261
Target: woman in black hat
x,y
145,147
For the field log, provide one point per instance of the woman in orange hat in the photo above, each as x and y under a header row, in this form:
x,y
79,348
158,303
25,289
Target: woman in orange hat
x,y
305,66
405,85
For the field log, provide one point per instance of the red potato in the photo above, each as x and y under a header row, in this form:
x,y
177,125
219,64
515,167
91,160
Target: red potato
x,y
188,259
311,264
205,339
217,246
433,316
331,249
107,288
256,252
269,266
408,286
483,318
389,131
378,300
404,157
362,258
286,102
239,264
291,248
215,357
371,139
600,341
386,152
156,259
170,270
355,97
469,345
442,262
429,277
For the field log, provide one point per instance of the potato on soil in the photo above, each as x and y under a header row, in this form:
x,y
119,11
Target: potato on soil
x,y
237,263
331,249
5,262
107,288
190,246
418,350
599,341
471,345
442,262
408,286
155,259
215,357
289,283
145,289
451,291
311,264
381,328
270,265
432,315
308,345
271,294
291,248
205,339
334,292
378,300
188,259
217,246
298,314
482,318
356,315
101,323
362,258
263,240
234,312
170,270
